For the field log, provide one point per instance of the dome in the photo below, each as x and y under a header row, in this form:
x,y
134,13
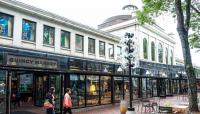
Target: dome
x,y
114,20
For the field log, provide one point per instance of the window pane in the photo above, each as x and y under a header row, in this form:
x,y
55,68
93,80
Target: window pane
x,y
145,48
119,50
105,89
102,48
79,42
118,88
48,35
152,51
6,25
171,58
111,50
77,83
166,55
65,39
126,88
160,52
91,45
92,85
28,30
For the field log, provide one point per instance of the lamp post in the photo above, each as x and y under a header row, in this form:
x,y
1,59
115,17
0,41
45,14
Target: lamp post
x,y
130,57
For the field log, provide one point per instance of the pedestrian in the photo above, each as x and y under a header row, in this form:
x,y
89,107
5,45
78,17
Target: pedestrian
x,y
51,101
67,102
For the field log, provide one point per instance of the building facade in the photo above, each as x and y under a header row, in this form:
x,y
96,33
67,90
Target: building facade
x,y
40,49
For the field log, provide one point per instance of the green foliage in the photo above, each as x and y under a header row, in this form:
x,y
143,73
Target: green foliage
x,y
154,8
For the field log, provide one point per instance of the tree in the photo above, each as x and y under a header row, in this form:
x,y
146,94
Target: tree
x,y
187,14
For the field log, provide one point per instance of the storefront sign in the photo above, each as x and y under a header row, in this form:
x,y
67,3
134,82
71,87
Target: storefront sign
x,y
14,60
93,66
77,64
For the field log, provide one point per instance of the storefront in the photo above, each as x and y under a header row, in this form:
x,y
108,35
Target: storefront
x,y
92,82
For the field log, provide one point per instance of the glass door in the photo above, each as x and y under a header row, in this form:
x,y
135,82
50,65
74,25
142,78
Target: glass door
x,y
41,89
154,84
3,80
162,87
55,81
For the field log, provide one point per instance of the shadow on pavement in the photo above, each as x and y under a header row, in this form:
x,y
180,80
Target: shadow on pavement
x,y
22,112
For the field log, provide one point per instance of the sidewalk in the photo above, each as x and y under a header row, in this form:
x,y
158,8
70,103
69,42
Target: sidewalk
x,y
114,109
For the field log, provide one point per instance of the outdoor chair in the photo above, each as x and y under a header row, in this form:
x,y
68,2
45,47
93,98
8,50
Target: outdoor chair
x,y
146,105
165,110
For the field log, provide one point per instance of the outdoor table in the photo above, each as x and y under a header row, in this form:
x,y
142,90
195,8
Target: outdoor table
x,y
183,109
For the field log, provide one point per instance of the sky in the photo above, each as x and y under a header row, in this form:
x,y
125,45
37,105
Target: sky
x,y
94,12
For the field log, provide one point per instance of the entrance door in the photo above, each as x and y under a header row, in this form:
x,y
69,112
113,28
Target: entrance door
x,y
41,84
162,87
3,88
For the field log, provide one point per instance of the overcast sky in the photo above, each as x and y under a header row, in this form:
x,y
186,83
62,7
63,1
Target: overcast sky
x,y
94,12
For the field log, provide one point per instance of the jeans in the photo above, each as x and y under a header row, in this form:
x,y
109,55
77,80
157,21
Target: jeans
x,y
67,110
50,111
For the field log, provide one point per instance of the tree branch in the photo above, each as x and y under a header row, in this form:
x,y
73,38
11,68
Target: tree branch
x,y
195,9
187,19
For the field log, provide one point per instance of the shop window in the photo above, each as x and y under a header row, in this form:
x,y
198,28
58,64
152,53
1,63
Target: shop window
x,y
152,51
48,35
6,25
79,43
65,39
118,88
28,30
105,87
135,87
111,50
77,84
126,88
91,46
166,55
101,48
160,53
3,91
145,48
92,94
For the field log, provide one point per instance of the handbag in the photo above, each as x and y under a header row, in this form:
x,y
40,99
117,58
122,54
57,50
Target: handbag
x,y
47,104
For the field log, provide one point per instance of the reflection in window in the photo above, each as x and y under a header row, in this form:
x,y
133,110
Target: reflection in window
x,y
65,39
154,84
145,48
152,51
79,43
111,50
160,53
91,45
77,84
166,55
3,90
6,25
118,88
101,48
126,88
105,89
28,30
92,85
48,35
149,87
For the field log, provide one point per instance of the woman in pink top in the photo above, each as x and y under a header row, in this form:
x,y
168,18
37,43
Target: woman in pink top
x,y
67,102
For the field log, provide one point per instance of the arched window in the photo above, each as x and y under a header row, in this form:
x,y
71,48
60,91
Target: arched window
x,y
152,51
171,57
166,55
160,53
145,48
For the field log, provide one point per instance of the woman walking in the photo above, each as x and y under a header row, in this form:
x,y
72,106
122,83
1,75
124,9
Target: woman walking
x,y
67,102
50,97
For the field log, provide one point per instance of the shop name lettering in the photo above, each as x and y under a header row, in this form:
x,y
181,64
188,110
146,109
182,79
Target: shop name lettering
x,y
31,61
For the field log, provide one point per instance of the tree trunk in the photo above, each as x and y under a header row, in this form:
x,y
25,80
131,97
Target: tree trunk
x,y
183,34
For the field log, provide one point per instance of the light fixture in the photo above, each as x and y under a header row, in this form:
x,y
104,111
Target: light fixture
x,y
105,70
119,69
147,72
176,75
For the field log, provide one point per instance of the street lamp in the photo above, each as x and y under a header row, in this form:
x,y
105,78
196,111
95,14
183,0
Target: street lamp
x,y
129,45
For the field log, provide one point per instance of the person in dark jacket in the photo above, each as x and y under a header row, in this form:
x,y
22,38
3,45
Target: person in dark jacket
x,y
51,98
